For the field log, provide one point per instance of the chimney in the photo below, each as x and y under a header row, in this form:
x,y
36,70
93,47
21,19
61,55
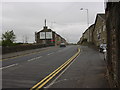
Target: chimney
x,y
45,27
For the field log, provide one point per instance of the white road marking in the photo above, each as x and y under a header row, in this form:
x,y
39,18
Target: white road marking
x,y
17,63
35,58
50,53
48,86
31,60
9,66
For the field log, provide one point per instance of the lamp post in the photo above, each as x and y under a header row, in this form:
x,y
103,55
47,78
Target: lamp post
x,y
87,23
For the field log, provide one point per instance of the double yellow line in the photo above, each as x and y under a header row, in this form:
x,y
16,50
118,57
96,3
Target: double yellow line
x,y
54,73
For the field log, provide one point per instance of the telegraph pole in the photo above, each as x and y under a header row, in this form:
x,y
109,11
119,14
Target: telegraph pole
x,y
87,23
45,22
45,33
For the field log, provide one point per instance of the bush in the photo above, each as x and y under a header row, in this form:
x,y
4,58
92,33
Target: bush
x,y
8,38
7,43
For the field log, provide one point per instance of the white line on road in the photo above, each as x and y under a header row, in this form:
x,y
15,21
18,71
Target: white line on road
x,y
48,86
50,53
35,58
31,60
9,66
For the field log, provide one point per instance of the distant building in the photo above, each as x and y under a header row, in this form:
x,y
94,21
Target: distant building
x,y
99,32
87,35
59,39
96,33
48,37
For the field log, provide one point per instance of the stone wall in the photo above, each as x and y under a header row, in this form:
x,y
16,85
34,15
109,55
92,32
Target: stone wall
x,y
113,40
99,33
18,48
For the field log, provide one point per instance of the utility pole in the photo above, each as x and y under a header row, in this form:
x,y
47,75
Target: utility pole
x,y
45,33
87,23
45,22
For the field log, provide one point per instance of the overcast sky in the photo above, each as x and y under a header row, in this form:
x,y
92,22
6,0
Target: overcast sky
x,y
65,18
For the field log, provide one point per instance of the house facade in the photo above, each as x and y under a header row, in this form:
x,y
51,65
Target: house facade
x,y
99,32
87,35
48,37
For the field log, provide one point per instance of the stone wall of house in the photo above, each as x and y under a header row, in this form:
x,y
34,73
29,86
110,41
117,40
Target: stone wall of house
x,y
99,33
113,34
88,35
56,39
96,33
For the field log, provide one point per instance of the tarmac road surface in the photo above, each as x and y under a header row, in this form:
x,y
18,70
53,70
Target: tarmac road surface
x,y
86,71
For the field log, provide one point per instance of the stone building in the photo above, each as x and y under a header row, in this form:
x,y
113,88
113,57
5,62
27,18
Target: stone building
x,y
96,33
87,35
48,37
99,32
59,39
90,30
113,34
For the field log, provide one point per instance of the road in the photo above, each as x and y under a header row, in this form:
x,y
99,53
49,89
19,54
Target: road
x,y
26,71
87,71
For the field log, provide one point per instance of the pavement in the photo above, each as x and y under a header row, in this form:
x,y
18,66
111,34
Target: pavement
x,y
87,71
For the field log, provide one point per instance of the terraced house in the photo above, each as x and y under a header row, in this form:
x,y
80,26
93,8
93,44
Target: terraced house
x,y
87,35
96,33
99,31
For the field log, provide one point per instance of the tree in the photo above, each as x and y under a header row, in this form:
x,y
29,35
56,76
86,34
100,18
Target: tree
x,y
8,38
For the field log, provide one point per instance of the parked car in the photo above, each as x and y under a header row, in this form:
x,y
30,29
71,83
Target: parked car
x,y
102,47
62,45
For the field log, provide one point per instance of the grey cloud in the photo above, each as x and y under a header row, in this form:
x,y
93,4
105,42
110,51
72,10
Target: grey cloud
x,y
27,17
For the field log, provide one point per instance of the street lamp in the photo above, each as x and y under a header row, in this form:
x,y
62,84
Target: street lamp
x,y
87,22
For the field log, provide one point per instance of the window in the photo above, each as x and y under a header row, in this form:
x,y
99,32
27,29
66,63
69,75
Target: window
x,y
104,28
100,30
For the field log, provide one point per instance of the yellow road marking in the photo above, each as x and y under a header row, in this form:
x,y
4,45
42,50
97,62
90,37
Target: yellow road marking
x,y
24,54
49,75
54,73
